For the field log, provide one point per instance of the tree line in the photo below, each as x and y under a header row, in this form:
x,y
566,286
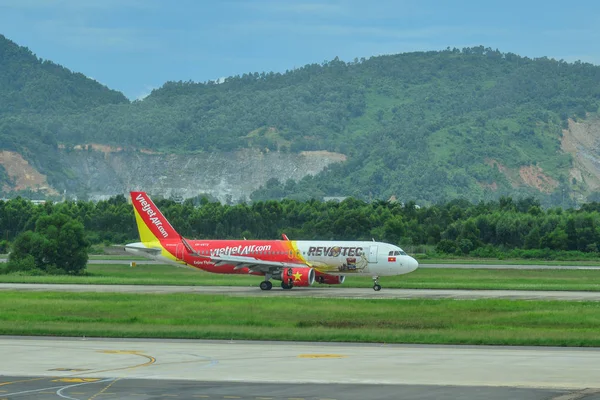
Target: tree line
x,y
487,229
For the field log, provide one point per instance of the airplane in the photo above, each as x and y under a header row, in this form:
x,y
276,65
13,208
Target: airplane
x,y
296,263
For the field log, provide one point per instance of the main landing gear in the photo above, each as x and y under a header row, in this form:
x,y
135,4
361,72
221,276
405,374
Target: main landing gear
x,y
288,285
376,285
266,285
286,282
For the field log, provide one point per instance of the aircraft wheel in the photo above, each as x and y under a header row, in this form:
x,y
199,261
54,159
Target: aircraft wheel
x,y
286,286
266,285
377,288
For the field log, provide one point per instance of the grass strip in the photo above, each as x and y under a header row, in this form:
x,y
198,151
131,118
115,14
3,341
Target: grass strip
x,y
436,278
492,322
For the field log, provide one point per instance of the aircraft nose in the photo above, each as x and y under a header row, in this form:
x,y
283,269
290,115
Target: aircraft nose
x,y
413,264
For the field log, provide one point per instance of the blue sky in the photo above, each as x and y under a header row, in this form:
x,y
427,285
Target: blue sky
x,y
136,45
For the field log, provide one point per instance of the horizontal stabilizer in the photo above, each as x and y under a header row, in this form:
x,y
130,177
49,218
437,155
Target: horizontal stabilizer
x,y
138,248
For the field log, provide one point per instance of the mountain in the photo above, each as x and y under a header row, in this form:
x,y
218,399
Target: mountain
x,y
34,95
427,126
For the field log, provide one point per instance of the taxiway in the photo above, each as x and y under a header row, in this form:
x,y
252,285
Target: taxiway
x,y
77,369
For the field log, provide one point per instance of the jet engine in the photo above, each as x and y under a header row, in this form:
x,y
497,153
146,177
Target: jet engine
x,y
297,276
331,279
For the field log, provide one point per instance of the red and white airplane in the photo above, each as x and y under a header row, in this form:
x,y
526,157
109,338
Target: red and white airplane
x,y
294,263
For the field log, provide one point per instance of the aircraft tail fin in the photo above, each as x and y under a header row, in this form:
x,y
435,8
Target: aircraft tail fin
x,y
152,224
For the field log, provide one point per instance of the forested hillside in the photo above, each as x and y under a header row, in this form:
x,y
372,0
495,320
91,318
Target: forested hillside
x,y
35,96
473,123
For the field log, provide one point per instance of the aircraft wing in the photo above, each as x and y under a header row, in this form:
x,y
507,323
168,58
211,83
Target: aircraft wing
x,y
254,264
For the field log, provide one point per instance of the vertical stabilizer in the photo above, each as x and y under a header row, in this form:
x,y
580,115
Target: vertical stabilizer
x,y
152,224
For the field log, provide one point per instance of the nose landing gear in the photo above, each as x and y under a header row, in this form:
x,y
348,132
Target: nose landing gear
x,y
376,285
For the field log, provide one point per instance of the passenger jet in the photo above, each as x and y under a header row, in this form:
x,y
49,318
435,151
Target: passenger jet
x,y
293,262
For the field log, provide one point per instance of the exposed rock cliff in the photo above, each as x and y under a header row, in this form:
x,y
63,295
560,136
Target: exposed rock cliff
x,y
232,175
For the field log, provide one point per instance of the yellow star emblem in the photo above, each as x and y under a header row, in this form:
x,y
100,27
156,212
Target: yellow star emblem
x,y
297,276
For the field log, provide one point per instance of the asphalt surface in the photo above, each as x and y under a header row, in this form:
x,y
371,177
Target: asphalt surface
x,y
314,292
77,369
135,389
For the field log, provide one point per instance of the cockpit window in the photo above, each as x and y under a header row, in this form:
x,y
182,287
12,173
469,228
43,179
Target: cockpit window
x,y
391,253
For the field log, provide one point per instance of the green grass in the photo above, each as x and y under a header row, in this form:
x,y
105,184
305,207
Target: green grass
x,y
430,278
495,322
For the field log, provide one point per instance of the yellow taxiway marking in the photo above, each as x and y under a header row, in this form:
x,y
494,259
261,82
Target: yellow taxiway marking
x,y
76,380
151,360
24,380
321,356
119,351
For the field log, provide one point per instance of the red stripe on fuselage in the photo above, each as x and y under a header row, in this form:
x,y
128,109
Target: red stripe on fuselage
x,y
267,250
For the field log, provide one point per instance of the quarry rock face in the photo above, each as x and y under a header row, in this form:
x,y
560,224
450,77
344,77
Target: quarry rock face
x,y
224,175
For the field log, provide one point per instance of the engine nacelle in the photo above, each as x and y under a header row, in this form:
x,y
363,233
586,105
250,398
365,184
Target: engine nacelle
x,y
298,276
331,279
